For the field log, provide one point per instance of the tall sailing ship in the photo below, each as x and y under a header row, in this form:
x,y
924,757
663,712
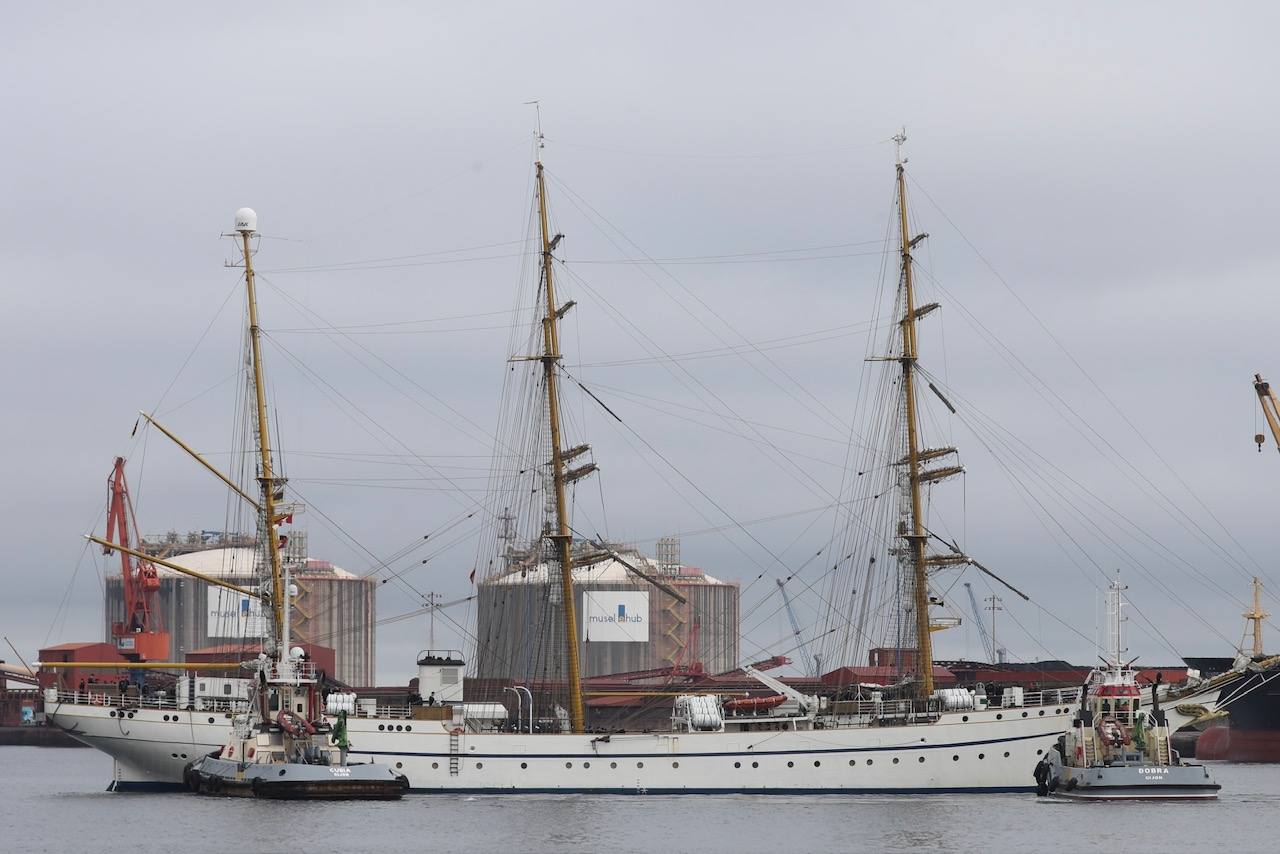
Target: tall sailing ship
x,y
907,737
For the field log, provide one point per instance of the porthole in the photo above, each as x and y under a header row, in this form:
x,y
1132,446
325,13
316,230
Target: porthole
x,y
955,758
852,762
965,718
737,765
183,755
755,764
166,718
792,764
921,760
1042,713
210,720
1024,714
381,727
174,755
479,765
408,728
586,764
399,728
816,763
281,772
1000,716
870,761
895,760
111,713
639,764
435,765
131,716
399,764
1039,752
1006,754
675,764
613,764
523,765
982,756
568,764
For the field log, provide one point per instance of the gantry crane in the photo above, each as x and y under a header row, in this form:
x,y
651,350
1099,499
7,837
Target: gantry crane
x,y
138,636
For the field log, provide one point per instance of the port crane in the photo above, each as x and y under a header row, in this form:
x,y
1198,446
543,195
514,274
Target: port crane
x,y
988,638
138,636
1270,409
810,661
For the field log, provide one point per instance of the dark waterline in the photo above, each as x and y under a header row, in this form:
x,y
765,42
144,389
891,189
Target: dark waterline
x,y
54,800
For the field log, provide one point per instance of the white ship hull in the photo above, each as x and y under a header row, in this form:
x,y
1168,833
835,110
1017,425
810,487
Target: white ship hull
x,y
992,750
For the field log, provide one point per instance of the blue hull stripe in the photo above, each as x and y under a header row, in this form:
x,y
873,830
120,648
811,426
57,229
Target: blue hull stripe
x,y
689,754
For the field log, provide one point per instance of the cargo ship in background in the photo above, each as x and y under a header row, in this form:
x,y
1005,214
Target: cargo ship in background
x,y
1248,730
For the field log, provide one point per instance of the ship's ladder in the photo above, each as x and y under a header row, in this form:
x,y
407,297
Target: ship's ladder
x,y
1090,749
1163,756
455,751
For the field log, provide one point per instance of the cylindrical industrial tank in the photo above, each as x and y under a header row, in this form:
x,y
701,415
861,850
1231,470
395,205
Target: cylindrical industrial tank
x,y
333,608
625,623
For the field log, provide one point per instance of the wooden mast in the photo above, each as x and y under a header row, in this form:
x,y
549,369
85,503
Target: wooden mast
x,y
246,225
563,537
917,534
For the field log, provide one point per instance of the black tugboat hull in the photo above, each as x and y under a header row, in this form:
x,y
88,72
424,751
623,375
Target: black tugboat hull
x,y
1140,782
210,775
355,790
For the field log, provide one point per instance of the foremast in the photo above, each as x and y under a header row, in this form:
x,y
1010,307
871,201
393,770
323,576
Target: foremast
x,y
246,227
562,538
913,528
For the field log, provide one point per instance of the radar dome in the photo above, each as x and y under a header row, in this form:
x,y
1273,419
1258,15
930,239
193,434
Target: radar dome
x,y
246,220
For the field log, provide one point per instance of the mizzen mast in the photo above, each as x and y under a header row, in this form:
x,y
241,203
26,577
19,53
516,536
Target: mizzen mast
x,y
563,536
246,227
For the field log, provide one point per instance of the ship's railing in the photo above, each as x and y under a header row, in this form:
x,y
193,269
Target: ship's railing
x,y
1052,697
874,712
97,698
295,669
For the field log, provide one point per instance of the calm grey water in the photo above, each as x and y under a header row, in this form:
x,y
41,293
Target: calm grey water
x,y
53,800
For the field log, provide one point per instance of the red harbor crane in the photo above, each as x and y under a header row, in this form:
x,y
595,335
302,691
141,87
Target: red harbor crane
x,y
138,636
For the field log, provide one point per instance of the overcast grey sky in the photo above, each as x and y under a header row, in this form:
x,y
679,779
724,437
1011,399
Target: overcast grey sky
x,y
1117,164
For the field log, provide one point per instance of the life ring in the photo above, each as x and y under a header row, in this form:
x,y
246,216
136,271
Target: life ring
x,y
457,730
294,724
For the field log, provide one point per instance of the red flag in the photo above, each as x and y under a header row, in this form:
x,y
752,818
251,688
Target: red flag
x,y
284,520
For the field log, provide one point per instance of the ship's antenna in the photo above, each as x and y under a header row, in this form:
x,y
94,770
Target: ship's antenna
x,y
537,130
898,139
1115,620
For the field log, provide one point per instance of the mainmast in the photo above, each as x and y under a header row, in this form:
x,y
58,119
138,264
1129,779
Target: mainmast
x,y
916,535
246,226
563,537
